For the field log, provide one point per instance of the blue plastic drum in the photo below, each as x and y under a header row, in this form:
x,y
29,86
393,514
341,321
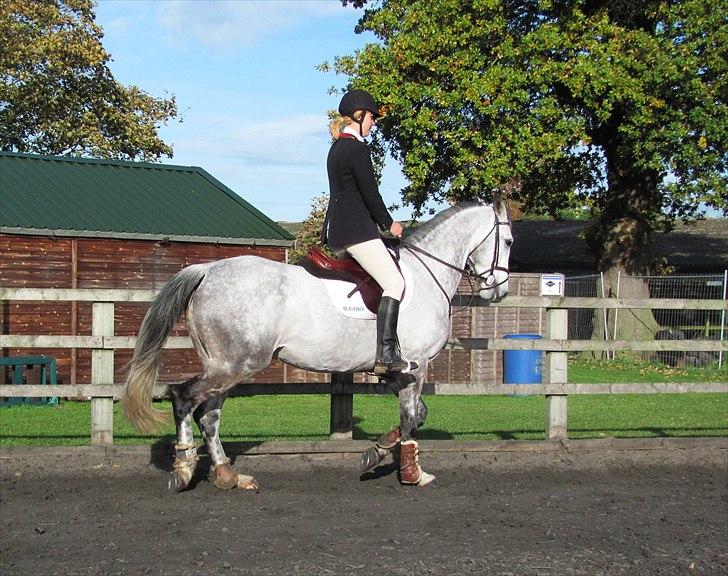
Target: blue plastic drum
x,y
522,366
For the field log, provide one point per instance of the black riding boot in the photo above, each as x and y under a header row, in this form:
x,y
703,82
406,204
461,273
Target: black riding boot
x,y
388,358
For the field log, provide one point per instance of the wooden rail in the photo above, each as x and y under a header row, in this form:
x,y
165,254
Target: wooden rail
x,y
555,387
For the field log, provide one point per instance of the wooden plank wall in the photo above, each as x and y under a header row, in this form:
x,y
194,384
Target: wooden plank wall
x,y
40,262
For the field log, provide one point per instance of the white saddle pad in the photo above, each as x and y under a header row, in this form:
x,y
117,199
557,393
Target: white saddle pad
x,y
353,306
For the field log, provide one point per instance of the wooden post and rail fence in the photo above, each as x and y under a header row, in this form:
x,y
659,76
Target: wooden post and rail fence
x,y
555,387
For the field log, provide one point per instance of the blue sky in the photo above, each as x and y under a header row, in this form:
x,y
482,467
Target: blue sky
x,y
253,105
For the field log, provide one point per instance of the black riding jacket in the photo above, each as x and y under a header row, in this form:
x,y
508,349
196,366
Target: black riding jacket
x,y
355,206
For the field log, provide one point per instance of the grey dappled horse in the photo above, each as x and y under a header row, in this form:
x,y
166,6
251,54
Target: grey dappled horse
x,y
242,312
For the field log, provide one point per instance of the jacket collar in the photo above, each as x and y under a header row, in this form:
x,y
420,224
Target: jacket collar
x,y
353,132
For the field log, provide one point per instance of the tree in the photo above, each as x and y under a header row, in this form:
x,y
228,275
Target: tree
x,y
57,94
310,233
622,103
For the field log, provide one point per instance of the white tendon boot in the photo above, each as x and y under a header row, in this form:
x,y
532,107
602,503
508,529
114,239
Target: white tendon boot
x,y
185,462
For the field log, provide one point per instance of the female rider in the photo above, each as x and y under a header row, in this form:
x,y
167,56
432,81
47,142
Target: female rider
x,y
355,211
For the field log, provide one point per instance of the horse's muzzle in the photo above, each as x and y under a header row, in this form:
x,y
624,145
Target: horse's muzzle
x,y
494,295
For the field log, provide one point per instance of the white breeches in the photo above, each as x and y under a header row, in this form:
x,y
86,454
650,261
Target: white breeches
x,y
374,257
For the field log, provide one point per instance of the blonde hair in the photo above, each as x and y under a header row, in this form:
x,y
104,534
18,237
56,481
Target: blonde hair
x,y
339,122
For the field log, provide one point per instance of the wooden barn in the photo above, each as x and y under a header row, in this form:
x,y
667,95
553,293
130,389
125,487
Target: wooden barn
x,y
80,223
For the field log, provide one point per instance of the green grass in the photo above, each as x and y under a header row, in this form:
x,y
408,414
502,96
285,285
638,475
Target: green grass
x,y
306,417
627,370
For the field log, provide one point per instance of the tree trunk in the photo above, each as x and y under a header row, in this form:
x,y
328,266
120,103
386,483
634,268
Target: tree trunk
x,y
619,240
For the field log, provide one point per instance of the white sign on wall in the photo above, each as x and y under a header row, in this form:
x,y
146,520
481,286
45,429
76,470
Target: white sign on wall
x,y
552,284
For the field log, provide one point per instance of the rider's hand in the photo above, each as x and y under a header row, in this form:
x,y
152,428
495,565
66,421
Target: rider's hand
x,y
396,229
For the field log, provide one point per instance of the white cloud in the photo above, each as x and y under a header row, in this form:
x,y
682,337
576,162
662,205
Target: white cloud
x,y
119,26
296,141
228,26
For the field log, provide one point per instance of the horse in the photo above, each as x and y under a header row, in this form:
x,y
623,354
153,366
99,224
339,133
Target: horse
x,y
243,312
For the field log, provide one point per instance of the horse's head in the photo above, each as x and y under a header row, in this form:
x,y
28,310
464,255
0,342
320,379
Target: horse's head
x,y
488,261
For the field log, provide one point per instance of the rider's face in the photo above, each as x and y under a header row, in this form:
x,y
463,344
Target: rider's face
x,y
366,126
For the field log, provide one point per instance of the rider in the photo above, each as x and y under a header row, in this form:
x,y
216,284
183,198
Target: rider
x,y
355,210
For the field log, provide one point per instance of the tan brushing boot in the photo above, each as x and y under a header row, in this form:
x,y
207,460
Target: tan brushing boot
x,y
409,466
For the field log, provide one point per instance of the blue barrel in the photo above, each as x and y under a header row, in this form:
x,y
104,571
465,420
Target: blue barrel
x,y
522,366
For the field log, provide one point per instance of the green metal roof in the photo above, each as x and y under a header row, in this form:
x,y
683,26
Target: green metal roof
x,y
112,198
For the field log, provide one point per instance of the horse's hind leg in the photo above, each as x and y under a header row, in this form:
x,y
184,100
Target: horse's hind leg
x,y
199,398
207,416
186,458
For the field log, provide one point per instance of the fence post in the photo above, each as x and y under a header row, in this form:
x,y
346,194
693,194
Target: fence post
x,y
556,372
102,372
722,317
342,408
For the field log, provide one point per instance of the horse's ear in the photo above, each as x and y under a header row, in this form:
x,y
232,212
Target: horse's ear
x,y
502,195
500,208
498,202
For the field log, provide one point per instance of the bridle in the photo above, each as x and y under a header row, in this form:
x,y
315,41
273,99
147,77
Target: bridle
x,y
488,276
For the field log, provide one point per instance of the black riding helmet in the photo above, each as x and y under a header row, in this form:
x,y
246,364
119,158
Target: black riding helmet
x,y
358,100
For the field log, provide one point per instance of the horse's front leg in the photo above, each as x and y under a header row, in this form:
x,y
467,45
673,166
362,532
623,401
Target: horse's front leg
x,y
412,414
207,416
375,454
389,441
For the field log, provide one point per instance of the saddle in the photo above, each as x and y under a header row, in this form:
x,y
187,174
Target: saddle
x,y
347,270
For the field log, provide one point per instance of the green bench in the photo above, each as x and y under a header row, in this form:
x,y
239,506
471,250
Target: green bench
x,y
25,370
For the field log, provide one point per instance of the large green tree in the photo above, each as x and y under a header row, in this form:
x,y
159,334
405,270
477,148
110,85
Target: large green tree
x,y
622,103
57,94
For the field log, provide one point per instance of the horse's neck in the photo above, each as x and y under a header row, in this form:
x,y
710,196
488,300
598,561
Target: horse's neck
x,y
451,242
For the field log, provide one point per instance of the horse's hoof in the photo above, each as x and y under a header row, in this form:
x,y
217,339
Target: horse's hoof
x,y
426,479
423,480
176,483
225,478
371,457
247,483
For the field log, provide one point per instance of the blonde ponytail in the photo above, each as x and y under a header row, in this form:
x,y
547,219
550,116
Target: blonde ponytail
x,y
338,122
337,125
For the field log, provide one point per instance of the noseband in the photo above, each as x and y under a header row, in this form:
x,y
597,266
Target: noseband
x,y
488,277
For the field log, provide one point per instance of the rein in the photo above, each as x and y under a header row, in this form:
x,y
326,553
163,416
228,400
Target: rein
x,y
488,276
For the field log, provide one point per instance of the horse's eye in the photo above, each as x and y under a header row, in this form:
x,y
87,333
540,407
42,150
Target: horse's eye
x,y
509,243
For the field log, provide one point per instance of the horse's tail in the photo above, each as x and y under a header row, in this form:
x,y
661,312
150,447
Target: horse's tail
x,y
168,306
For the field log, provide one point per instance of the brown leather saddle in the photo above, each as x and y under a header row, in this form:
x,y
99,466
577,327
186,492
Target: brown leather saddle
x,y
348,270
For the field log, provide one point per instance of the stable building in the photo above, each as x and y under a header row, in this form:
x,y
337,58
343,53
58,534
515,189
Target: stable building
x,y
80,223
695,247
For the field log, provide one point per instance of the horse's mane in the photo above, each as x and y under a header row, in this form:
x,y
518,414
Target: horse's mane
x,y
423,231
